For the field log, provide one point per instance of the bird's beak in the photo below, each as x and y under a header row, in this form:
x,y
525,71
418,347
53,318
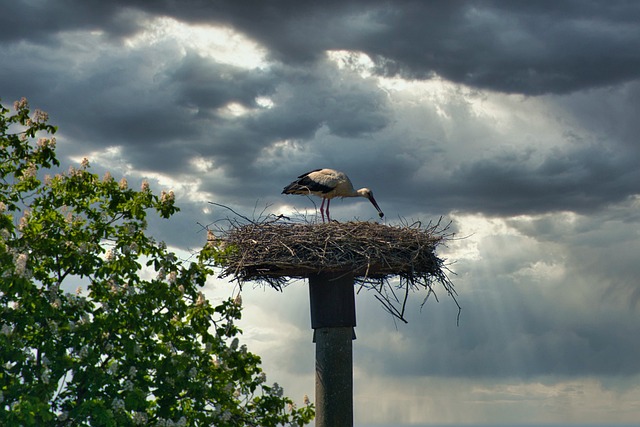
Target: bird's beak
x,y
375,205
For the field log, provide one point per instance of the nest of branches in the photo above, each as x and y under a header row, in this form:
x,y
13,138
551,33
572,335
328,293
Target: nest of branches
x,y
390,260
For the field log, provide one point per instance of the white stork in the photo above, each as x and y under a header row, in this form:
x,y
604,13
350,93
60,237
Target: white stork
x,y
328,183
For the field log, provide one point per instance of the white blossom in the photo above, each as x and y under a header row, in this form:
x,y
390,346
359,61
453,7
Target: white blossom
x,y
210,236
117,404
24,221
306,400
201,299
238,300
47,142
172,277
145,186
215,361
40,116
114,286
21,104
46,376
21,264
123,183
167,198
29,171
109,256
139,418
84,351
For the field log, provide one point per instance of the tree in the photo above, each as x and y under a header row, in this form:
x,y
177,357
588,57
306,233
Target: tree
x,y
137,343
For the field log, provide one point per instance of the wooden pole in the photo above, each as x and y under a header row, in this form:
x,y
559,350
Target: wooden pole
x,y
333,317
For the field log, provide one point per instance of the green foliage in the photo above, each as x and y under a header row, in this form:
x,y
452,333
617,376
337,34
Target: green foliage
x,y
125,348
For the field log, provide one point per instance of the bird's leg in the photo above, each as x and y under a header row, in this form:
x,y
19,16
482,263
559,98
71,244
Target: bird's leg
x,y
327,210
321,208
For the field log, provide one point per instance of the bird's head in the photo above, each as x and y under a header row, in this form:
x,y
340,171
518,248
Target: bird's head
x,y
365,192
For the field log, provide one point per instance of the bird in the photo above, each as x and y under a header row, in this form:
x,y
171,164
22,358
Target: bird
x,y
327,184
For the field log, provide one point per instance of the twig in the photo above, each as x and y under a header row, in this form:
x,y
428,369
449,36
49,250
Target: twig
x,y
235,213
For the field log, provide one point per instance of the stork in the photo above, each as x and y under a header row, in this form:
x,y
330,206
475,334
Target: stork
x,y
327,184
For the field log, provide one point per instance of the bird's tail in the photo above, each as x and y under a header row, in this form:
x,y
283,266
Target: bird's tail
x,y
295,188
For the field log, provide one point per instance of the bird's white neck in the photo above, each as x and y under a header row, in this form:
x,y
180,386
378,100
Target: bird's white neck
x,y
363,192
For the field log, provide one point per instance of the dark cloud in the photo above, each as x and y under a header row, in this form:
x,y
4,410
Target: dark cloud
x,y
205,84
505,334
304,101
42,21
493,45
579,180
499,45
557,298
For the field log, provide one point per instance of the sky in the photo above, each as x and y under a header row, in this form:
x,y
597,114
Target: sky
x,y
515,120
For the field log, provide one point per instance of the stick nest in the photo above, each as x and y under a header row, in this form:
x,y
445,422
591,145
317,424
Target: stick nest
x,y
274,250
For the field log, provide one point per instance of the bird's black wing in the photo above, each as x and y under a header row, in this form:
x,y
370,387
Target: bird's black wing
x,y
305,185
